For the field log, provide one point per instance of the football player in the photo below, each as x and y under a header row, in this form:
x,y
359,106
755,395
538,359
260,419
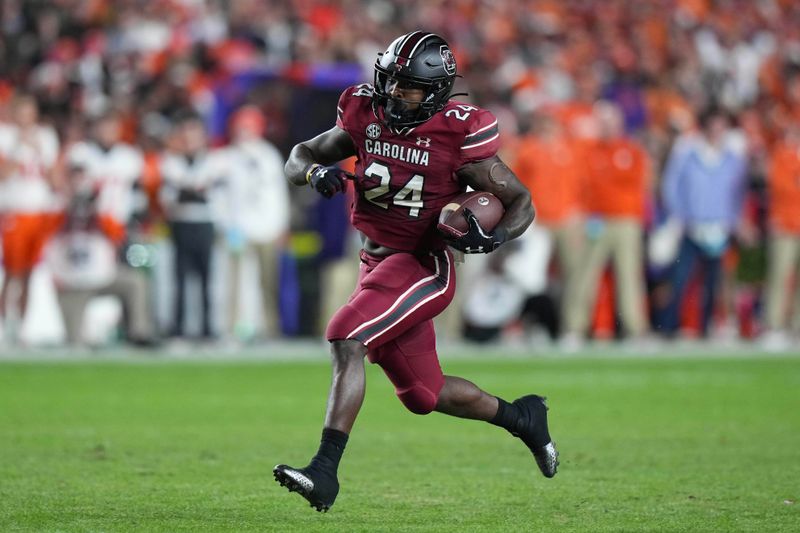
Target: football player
x,y
416,150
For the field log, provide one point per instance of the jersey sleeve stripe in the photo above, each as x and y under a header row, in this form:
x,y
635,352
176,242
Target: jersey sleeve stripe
x,y
493,124
490,139
482,137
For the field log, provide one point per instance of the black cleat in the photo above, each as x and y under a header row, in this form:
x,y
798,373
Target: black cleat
x,y
320,490
532,430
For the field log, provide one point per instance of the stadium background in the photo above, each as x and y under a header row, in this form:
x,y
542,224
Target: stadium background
x,y
659,435
661,62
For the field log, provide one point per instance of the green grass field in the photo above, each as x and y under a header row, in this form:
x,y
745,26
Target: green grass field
x,y
646,445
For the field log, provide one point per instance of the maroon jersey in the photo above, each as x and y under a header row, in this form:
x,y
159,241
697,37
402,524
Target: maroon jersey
x,y
404,180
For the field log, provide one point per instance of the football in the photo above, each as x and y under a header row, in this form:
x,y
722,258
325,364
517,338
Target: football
x,y
484,205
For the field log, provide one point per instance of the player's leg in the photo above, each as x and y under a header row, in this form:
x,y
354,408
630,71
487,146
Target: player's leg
x,y
318,481
525,417
390,294
405,347
462,398
412,365
347,385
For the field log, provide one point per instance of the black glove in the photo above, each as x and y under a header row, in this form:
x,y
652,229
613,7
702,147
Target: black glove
x,y
326,180
476,240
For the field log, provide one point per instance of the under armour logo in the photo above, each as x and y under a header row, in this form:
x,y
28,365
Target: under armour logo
x,y
471,250
322,172
424,141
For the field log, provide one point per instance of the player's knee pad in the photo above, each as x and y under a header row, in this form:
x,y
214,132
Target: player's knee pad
x,y
418,399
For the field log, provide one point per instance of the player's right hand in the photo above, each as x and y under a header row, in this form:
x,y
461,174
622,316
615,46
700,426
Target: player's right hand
x,y
326,180
477,240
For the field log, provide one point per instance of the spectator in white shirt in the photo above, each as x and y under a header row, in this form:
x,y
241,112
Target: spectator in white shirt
x,y
258,218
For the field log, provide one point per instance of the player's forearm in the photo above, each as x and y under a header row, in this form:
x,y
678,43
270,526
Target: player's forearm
x,y
300,159
326,149
296,166
518,216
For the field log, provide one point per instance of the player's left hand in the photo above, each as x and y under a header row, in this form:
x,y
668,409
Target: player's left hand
x,y
476,240
326,180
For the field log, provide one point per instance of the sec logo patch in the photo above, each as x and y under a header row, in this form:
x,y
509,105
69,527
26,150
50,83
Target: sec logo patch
x,y
374,130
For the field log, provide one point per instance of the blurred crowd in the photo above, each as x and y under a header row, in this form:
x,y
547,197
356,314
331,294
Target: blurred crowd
x,y
660,140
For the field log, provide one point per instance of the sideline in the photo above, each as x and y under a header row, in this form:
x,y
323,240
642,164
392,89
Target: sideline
x,y
316,351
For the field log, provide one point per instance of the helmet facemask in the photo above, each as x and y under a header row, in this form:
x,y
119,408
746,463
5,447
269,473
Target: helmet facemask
x,y
399,112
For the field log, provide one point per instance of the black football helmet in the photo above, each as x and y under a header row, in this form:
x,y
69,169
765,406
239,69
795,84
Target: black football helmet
x,y
418,60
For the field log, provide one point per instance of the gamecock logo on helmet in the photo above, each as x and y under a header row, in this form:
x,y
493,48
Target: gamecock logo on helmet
x,y
448,60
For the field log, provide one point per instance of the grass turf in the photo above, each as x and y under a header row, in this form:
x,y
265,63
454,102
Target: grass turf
x,y
658,445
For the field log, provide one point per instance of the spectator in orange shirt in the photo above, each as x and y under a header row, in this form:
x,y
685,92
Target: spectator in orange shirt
x,y
577,114
550,165
784,241
617,177
28,156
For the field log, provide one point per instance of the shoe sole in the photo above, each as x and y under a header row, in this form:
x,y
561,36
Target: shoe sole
x,y
542,458
285,479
